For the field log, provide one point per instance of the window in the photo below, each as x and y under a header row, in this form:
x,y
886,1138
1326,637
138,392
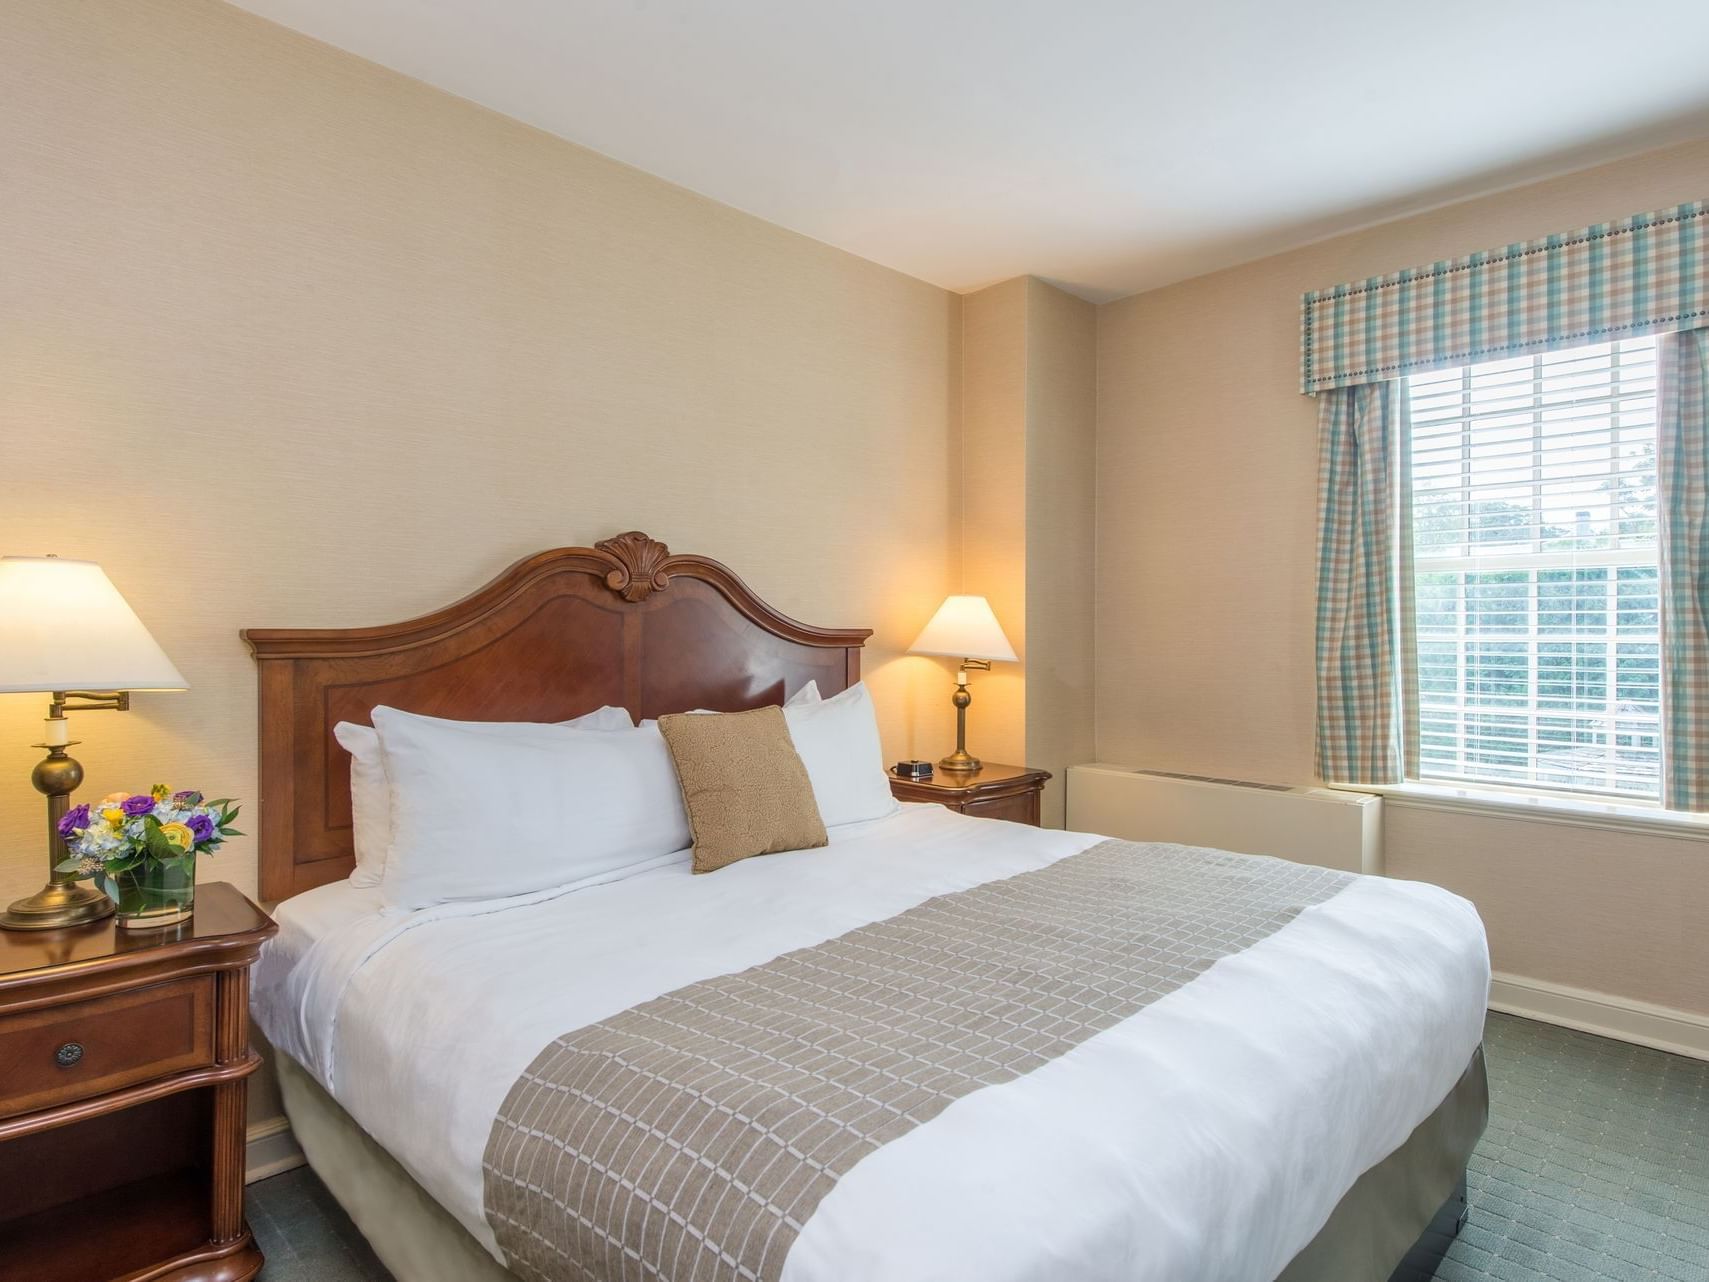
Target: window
x,y
1534,537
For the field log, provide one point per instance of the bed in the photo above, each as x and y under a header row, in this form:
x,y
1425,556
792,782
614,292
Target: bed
x,y
1269,1072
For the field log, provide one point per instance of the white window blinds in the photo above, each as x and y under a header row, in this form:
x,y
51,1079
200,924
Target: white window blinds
x,y
1534,537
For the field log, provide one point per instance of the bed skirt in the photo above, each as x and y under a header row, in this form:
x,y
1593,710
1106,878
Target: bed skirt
x,y
1399,1216
1392,1224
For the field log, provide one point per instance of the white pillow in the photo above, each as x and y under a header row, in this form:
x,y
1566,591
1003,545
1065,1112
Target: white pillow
x,y
480,816
371,796
808,693
837,740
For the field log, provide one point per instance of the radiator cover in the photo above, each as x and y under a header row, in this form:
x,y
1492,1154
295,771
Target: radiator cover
x,y
1326,826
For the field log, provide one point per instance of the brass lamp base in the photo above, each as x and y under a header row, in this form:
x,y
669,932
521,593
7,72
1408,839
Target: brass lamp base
x,y
58,904
961,761
64,901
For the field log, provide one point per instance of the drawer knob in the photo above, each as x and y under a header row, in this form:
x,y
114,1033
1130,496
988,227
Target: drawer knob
x,y
68,1054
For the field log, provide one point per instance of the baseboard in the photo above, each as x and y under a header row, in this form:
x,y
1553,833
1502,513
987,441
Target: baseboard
x,y
1621,1018
270,1149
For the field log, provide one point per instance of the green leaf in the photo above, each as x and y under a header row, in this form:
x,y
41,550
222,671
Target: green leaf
x,y
232,832
68,865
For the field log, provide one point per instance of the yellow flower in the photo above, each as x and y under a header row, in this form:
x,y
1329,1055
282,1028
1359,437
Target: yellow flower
x,y
160,792
178,836
113,815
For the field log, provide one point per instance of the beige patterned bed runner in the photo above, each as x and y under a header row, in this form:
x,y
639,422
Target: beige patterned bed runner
x,y
690,1138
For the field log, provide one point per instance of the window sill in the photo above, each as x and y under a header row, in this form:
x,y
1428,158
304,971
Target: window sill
x,y
1577,811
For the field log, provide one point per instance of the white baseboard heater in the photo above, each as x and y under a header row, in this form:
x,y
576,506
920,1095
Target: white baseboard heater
x,y
1325,826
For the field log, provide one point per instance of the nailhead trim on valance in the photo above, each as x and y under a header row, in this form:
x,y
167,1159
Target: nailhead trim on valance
x,y
1640,275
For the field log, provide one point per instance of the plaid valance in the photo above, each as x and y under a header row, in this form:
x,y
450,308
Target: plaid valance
x,y
1640,275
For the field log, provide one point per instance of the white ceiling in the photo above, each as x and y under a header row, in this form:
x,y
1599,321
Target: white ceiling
x,y
1107,146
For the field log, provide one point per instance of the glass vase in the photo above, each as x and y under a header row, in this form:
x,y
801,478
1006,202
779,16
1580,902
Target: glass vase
x,y
153,894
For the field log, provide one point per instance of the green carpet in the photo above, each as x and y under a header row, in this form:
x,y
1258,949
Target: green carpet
x,y
1595,1167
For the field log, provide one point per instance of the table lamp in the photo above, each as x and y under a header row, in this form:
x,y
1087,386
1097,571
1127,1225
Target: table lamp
x,y
964,628
66,632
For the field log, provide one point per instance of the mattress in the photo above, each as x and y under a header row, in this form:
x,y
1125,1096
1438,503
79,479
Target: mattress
x,y
1257,1094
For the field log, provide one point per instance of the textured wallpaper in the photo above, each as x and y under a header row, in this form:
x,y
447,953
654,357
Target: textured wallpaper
x,y
1207,475
287,339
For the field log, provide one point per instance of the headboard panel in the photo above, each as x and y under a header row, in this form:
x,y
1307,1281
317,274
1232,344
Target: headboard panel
x,y
558,634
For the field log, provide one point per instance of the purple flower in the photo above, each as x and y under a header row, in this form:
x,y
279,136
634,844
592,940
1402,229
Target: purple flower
x,y
189,797
76,819
201,827
141,804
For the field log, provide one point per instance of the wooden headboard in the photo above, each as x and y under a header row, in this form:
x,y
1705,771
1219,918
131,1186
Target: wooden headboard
x,y
558,634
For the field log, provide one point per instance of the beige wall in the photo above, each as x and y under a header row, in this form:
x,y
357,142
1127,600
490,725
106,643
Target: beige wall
x,y
1206,495
288,339
1571,904
1029,354
994,506
1062,419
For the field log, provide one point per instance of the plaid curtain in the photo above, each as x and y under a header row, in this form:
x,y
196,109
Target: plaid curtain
x,y
1682,410
1366,690
1639,275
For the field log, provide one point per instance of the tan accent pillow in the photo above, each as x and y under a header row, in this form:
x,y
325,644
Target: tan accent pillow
x,y
746,790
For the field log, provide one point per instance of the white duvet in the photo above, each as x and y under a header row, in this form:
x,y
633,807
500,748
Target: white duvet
x,y
1205,1139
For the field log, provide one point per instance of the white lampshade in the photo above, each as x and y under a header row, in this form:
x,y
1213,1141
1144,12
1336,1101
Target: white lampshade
x,y
64,626
964,628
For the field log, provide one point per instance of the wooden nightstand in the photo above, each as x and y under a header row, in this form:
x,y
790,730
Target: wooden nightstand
x,y
994,792
124,1059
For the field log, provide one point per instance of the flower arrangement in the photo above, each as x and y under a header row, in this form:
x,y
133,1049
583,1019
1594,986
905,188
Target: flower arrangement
x,y
126,841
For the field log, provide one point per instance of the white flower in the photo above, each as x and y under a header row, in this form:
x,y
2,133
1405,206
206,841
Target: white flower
x,y
100,840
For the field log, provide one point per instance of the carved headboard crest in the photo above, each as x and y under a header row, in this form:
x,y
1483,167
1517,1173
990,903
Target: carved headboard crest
x,y
641,563
624,622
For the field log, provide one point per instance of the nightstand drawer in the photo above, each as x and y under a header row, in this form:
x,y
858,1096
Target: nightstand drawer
x,y
991,792
78,1049
1018,807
